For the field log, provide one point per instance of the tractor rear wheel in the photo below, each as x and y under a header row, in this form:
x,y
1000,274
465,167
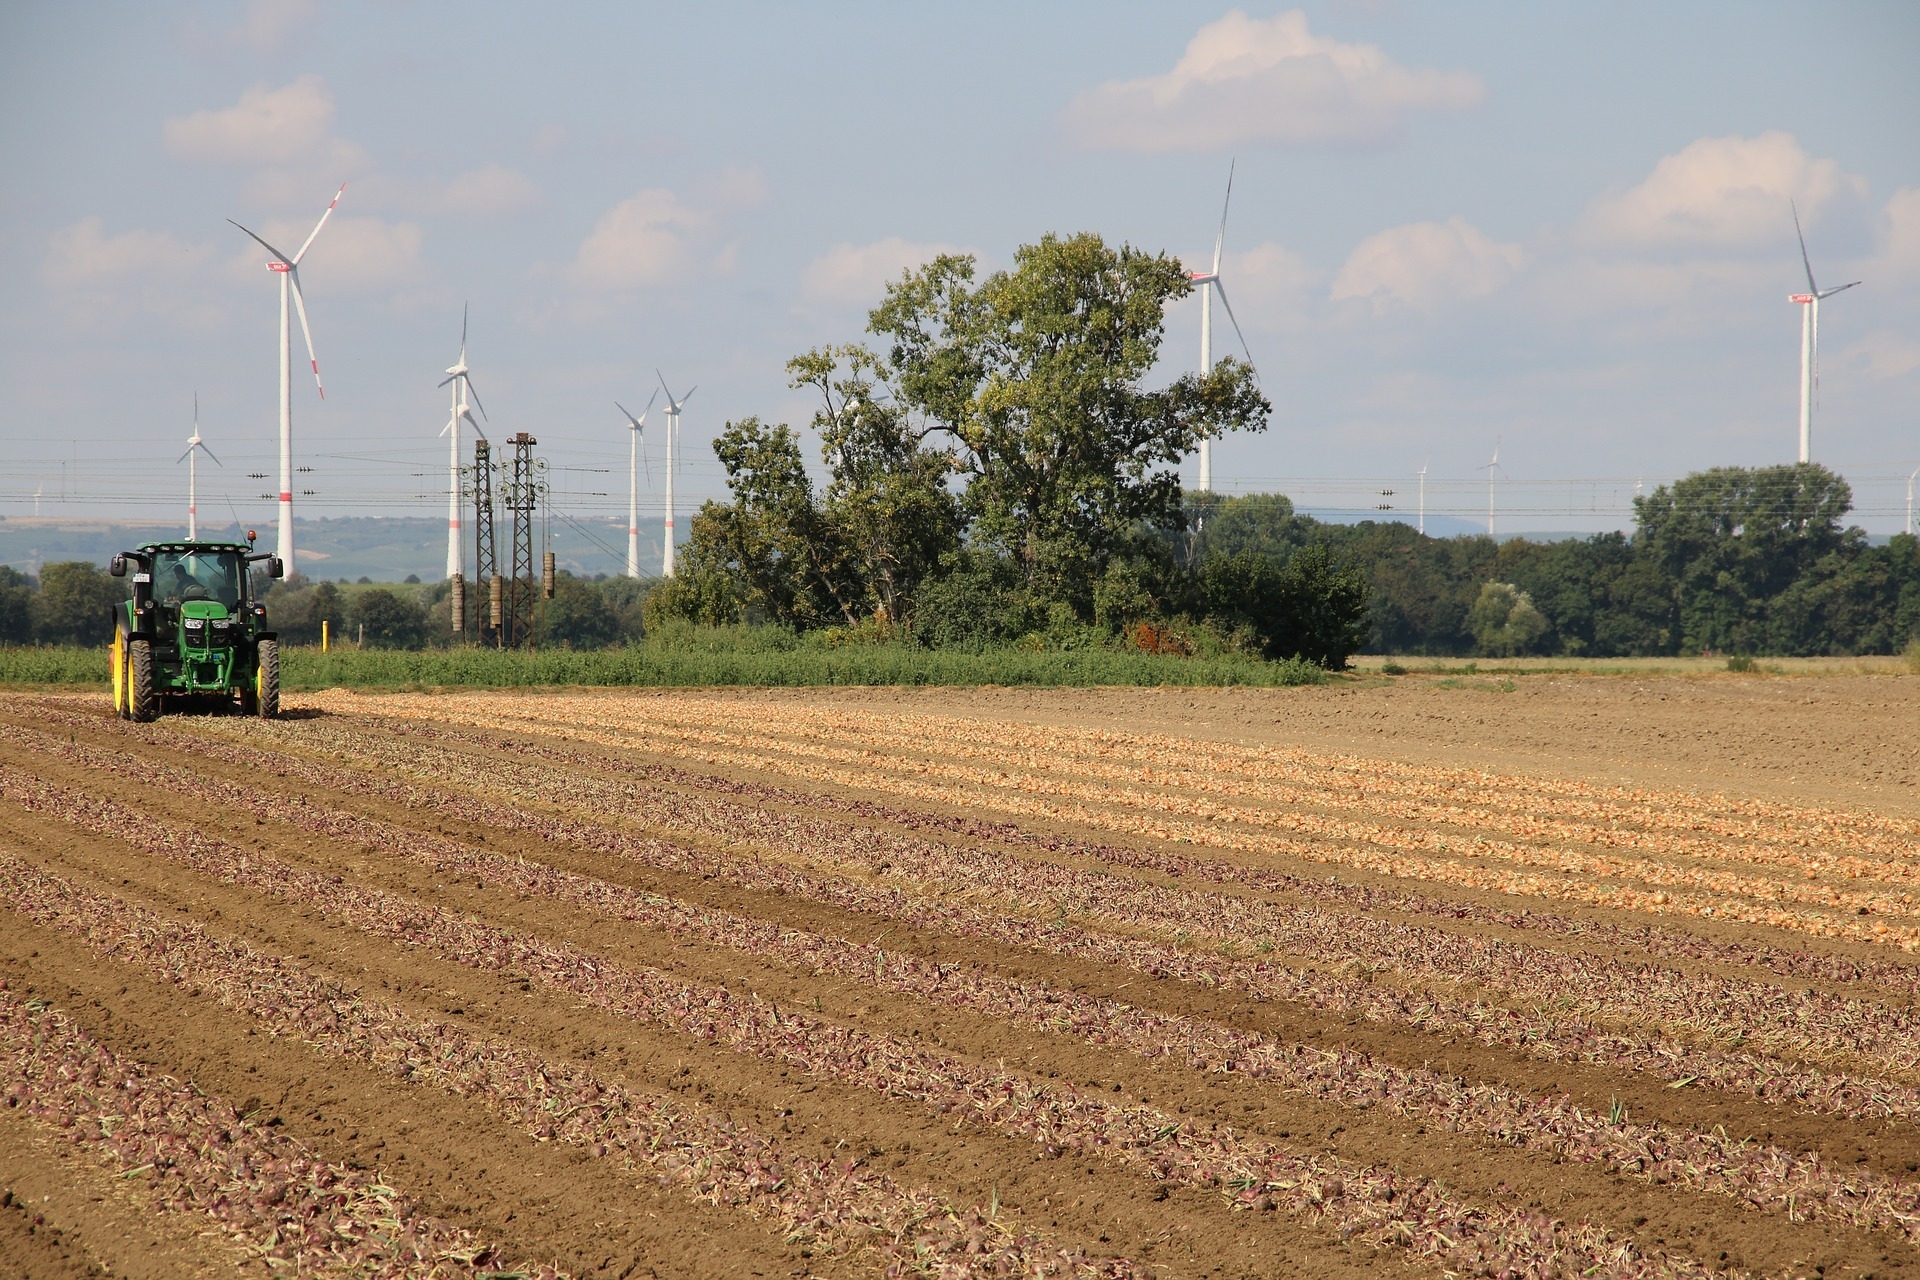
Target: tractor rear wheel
x,y
142,705
266,680
117,659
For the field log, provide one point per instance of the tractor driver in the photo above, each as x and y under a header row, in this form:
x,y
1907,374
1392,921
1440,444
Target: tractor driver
x,y
181,584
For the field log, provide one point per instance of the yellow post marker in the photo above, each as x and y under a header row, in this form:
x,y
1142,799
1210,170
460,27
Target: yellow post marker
x,y
323,635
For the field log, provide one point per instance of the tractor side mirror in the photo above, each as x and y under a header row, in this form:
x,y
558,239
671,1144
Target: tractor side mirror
x,y
118,565
276,568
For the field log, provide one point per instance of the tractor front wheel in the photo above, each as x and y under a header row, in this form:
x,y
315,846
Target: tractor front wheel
x,y
142,705
266,680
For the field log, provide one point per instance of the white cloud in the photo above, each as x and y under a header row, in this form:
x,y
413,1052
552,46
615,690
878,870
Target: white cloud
x,y
84,254
734,187
99,280
267,126
1722,193
491,191
1425,265
858,274
646,239
1247,81
1899,256
268,23
352,255
658,235
1881,354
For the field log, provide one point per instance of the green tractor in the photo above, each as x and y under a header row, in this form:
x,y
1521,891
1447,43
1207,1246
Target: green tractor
x,y
192,633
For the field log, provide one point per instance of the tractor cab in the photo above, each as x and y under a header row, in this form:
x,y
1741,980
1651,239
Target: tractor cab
x,y
192,629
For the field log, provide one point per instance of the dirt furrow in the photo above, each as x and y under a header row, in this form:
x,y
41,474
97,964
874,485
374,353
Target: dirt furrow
x,y
1752,1174
1354,1199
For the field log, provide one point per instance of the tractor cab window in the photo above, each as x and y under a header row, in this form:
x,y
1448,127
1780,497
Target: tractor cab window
x,y
179,576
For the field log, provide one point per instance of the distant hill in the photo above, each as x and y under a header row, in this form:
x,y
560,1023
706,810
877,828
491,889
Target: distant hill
x,y
382,549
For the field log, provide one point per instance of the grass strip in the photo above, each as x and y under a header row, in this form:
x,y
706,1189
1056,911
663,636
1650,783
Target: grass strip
x,y
645,665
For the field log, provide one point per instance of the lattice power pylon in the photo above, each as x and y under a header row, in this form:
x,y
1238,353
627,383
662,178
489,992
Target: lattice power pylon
x,y
486,562
526,489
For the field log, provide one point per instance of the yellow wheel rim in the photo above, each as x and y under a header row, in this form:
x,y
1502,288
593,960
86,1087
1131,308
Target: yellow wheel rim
x,y
117,656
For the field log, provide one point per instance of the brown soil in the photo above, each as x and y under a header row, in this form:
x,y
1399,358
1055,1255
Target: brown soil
x,y
1843,742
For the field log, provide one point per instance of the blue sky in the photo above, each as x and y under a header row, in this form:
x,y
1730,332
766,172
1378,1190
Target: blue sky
x,y
1560,229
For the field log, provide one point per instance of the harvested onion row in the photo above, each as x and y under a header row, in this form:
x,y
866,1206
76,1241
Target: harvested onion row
x,y
1332,937
1754,1174
1352,1201
718,1159
1248,829
196,1154
1553,873
1376,783
1657,940
1370,777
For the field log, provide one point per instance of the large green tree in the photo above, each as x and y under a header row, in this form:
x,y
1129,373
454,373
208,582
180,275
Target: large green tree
x,y
1733,540
75,603
1037,377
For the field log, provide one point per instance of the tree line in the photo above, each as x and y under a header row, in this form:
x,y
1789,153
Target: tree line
x,y
995,470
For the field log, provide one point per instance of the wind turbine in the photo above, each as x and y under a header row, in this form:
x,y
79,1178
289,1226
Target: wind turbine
x,y
195,445
1809,338
1910,478
457,412
38,489
1423,497
1209,281
633,485
289,272
1492,469
673,439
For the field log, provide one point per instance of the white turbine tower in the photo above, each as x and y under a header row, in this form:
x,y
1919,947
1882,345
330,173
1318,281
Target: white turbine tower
x,y
1910,479
673,441
289,272
633,484
458,412
195,445
1492,469
1423,497
1809,339
1209,281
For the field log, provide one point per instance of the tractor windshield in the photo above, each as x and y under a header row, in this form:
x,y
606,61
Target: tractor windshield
x,y
179,576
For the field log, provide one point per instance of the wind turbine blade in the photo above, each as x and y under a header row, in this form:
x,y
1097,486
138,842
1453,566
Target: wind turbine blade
x,y
183,457
1841,288
1804,260
209,453
476,426
1221,239
1222,291
320,224
685,398
466,385
300,305
278,256
463,333
444,381
196,413
663,387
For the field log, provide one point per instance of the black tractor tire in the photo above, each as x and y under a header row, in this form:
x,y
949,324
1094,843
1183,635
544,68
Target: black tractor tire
x,y
267,680
142,704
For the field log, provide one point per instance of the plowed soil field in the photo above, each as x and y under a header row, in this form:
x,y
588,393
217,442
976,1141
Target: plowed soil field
x,y
1592,979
